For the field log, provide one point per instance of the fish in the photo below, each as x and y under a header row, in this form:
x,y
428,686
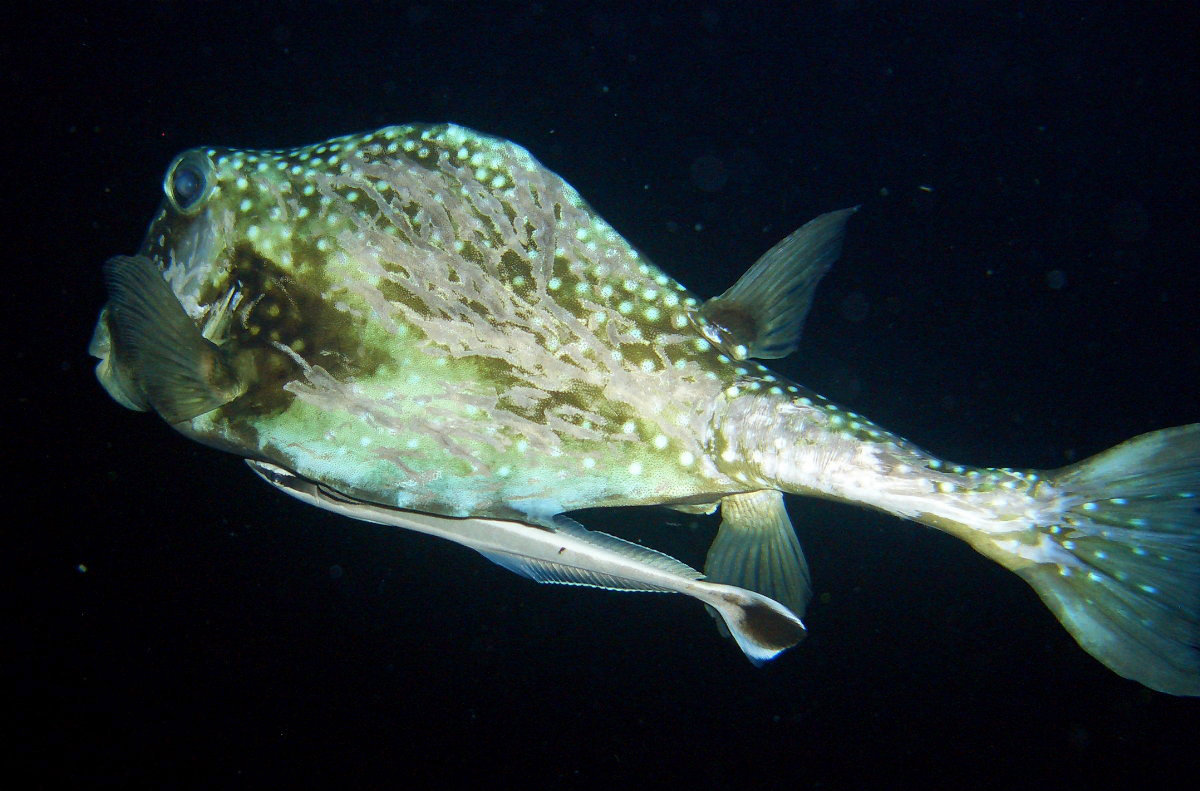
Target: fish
x,y
570,554
422,326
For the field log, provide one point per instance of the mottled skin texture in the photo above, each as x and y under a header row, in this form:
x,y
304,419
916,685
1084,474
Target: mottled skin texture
x,y
437,322
426,318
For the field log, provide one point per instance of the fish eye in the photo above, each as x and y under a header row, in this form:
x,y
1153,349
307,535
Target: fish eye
x,y
189,180
186,185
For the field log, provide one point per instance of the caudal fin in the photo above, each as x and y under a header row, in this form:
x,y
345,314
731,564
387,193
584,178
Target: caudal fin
x,y
763,628
1127,584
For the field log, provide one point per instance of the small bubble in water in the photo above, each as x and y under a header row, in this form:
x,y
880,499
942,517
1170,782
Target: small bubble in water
x,y
336,572
1056,279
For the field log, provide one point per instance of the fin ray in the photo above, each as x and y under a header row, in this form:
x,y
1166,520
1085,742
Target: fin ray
x,y
183,374
756,548
562,574
549,572
762,315
1129,590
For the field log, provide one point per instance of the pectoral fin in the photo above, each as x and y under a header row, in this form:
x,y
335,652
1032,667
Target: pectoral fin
x,y
182,373
756,548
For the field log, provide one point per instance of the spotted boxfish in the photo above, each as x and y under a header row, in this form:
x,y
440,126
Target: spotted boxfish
x,y
424,327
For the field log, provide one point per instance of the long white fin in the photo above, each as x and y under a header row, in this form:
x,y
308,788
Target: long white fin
x,y
552,572
563,552
763,628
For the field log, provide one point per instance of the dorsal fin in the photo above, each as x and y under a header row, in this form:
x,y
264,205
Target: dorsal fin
x,y
763,313
183,374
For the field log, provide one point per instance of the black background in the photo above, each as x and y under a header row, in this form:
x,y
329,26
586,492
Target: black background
x,y
1019,288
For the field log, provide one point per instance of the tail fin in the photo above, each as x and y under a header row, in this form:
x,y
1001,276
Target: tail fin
x,y
1127,585
763,628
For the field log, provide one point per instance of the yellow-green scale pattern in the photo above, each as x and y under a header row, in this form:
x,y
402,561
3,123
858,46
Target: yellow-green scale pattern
x,y
439,322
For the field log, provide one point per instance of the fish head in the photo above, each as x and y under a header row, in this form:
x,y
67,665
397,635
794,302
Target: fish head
x,y
180,242
241,238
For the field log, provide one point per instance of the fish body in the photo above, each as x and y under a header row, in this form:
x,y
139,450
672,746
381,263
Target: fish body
x,y
424,320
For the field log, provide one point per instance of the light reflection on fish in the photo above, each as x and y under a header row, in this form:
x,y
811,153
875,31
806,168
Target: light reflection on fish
x,y
422,326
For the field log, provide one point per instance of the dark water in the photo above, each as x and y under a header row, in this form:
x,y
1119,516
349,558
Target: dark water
x,y
1019,288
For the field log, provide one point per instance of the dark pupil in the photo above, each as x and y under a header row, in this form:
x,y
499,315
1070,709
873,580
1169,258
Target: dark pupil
x,y
187,184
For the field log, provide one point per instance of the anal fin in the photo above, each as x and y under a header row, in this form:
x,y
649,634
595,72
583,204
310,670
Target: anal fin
x,y
756,548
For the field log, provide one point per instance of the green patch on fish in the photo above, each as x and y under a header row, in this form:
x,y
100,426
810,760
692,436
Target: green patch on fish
x,y
424,327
